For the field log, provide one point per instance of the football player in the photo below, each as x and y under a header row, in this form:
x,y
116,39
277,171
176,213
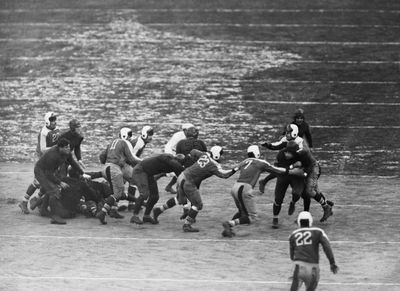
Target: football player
x,y
304,252
312,169
116,157
206,165
291,133
75,138
170,148
143,177
47,138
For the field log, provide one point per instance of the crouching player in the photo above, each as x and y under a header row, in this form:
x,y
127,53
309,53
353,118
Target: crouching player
x,y
304,252
242,191
206,165
143,176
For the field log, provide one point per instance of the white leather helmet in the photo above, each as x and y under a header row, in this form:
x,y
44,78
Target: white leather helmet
x,y
216,152
255,150
305,215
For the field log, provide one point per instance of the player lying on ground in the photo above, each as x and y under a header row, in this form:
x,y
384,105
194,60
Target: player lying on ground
x,y
243,190
206,165
81,196
304,252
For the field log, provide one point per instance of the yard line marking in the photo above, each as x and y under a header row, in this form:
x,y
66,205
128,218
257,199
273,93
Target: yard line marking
x,y
177,239
205,24
175,100
220,10
203,41
179,79
215,281
45,58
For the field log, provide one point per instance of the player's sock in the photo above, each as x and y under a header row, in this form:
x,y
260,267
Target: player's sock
x,y
320,199
150,204
276,209
307,203
295,198
191,218
138,205
31,189
169,204
109,201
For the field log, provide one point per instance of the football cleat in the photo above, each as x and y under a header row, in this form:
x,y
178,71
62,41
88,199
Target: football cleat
x,y
101,215
227,232
327,212
149,219
136,219
115,214
156,213
55,219
189,228
35,202
24,207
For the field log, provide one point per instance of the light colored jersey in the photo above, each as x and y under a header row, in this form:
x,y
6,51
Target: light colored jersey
x,y
203,168
251,169
138,145
304,245
119,152
284,141
170,147
46,139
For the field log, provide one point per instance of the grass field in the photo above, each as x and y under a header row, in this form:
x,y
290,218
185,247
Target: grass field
x,y
238,70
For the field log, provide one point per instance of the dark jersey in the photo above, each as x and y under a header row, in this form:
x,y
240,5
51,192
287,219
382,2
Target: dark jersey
x,y
75,140
250,170
304,132
304,245
186,145
162,163
52,160
307,160
203,168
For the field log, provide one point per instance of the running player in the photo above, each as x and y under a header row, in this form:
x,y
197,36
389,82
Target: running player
x,y
47,137
206,165
304,252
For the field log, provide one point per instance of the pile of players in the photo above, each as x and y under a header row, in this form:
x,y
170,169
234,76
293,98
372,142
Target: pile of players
x,y
185,159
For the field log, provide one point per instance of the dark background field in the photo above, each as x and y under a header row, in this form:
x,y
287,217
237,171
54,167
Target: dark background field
x,y
236,69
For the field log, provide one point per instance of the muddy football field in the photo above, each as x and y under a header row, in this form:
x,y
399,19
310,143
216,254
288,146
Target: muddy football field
x,y
236,69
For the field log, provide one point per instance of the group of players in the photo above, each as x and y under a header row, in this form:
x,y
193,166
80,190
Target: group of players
x,y
187,160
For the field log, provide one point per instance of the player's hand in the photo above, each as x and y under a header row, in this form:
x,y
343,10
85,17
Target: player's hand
x,y
86,177
64,185
81,164
334,268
